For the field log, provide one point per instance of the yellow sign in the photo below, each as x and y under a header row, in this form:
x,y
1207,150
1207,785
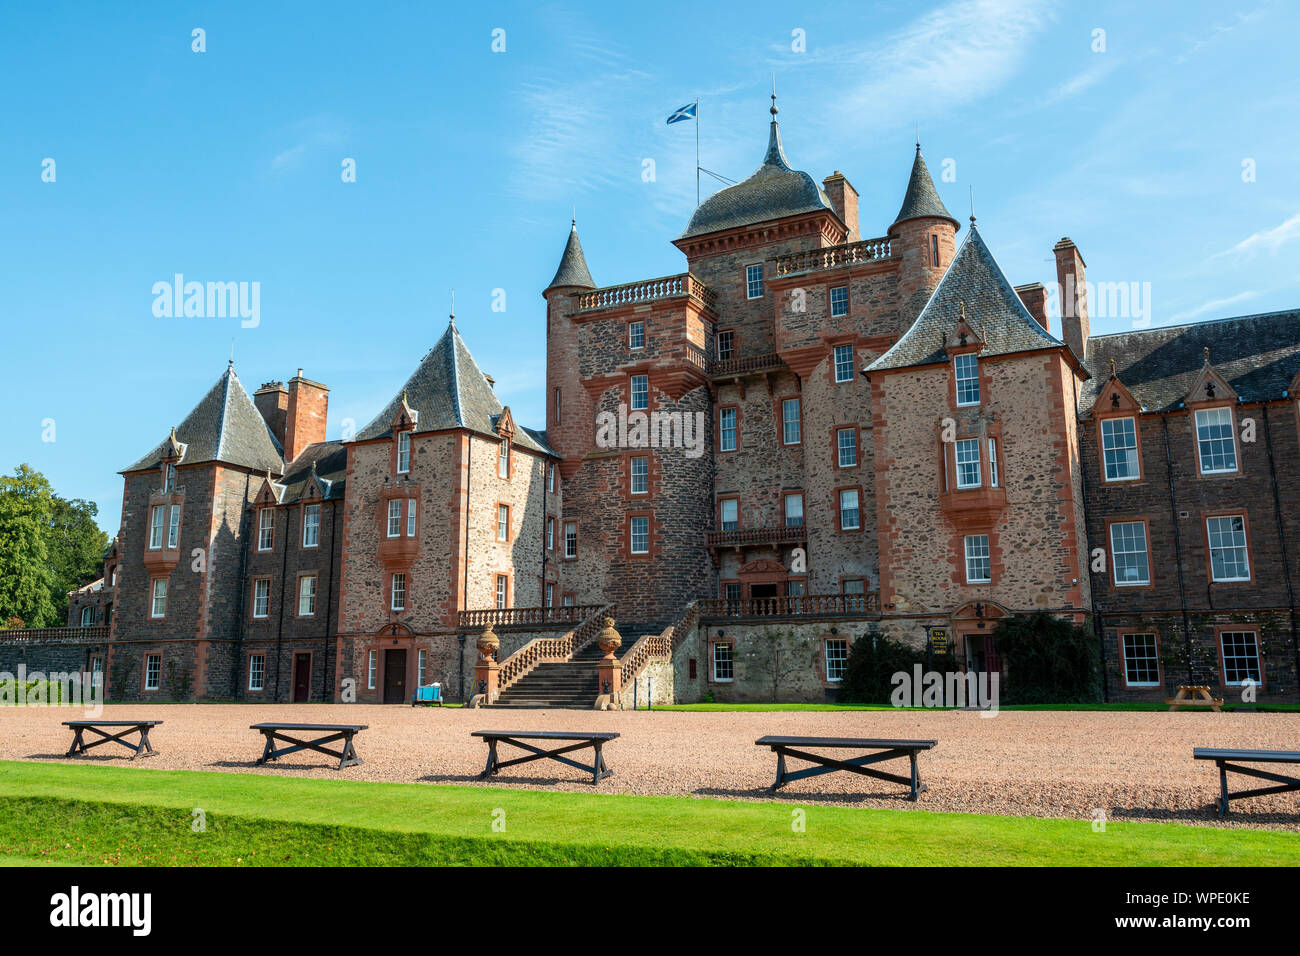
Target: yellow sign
x,y
940,640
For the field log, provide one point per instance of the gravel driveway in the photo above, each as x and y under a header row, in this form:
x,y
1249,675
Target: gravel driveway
x,y
1040,763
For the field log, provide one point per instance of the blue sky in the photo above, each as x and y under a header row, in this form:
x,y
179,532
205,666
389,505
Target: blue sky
x,y
225,166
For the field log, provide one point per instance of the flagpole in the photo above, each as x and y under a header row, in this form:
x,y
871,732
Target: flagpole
x,y
697,152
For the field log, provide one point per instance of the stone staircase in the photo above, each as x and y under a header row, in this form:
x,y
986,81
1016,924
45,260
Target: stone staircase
x,y
574,683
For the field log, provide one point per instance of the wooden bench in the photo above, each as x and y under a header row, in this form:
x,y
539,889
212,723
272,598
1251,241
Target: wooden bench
x,y
142,727
328,734
1232,759
596,740
1194,695
878,751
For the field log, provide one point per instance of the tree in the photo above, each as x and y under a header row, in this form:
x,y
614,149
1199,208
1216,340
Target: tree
x,y
1048,660
26,580
76,549
869,671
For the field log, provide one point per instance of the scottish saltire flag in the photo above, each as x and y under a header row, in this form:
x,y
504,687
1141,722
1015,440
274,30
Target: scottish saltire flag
x,y
685,113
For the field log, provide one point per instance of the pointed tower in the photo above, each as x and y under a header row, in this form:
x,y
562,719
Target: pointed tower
x,y
569,411
924,234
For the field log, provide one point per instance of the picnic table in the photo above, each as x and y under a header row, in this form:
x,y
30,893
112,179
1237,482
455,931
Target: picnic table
x,y
1194,695
328,734
1231,760
877,752
102,728
579,741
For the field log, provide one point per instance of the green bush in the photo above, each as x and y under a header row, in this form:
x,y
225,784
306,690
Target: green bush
x,y
873,660
1047,661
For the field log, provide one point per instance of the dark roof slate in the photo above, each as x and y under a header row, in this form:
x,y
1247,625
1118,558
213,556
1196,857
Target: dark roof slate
x,y
774,191
1258,355
224,426
331,461
921,199
992,308
448,390
573,265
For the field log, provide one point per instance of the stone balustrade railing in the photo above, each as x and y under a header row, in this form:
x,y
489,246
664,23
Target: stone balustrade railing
x,y
850,253
541,650
740,537
634,293
747,365
793,606
95,634
501,618
652,648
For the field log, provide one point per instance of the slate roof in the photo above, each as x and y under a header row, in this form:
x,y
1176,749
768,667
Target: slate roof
x,y
331,461
224,426
774,191
573,265
1258,355
921,199
993,311
448,390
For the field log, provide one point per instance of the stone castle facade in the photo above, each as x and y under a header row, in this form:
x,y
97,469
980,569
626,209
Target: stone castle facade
x,y
818,437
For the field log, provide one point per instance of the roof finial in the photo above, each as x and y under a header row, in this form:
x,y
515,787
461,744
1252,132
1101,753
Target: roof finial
x,y
1112,368
972,204
1207,355
231,364
774,110
918,137
574,221
452,317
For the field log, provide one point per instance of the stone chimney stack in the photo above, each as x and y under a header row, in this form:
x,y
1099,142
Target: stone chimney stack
x,y
1073,289
844,198
1034,296
305,418
272,400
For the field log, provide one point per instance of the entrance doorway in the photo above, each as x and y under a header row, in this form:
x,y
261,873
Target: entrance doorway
x,y
764,590
395,676
301,678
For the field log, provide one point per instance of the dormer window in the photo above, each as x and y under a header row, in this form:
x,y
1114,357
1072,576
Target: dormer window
x,y
169,477
403,453
1216,444
967,369
503,459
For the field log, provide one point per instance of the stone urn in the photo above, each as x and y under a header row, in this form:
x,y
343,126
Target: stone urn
x,y
488,644
608,640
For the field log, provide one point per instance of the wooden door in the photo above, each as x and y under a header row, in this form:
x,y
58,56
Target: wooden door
x,y
395,677
301,678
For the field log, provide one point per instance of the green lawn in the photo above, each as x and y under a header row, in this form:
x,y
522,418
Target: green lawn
x,y
141,816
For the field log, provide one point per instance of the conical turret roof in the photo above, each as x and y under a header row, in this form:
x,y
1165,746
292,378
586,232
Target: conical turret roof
x,y
573,270
922,200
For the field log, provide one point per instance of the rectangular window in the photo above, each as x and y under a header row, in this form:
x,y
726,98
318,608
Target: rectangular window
x,y
1119,449
849,519
570,539
159,606
256,671
261,598
856,589
837,655
846,444
731,591
394,518
550,595
421,666
979,569
550,534
265,529
1229,560
729,514
169,477
550,479
87,616
399,592
722,670
968,463
844,363
307,595
1240,657
726,344
967,368
503,591
839,301
173,526
993,463
410,517
569,600
794,511
754,281
934,251
503,522
639,534
372,667
311,526
1215,442
156,519
1141,663
557,405
640,393
727,429
1128,549
636,335
640,477
152,671
503,459
790,422
403,453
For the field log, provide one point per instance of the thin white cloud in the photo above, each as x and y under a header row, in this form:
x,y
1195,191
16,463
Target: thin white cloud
x,y
1266,240
1213,306
310,133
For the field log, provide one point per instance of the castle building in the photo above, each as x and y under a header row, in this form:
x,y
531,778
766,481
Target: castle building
x,y
804,438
